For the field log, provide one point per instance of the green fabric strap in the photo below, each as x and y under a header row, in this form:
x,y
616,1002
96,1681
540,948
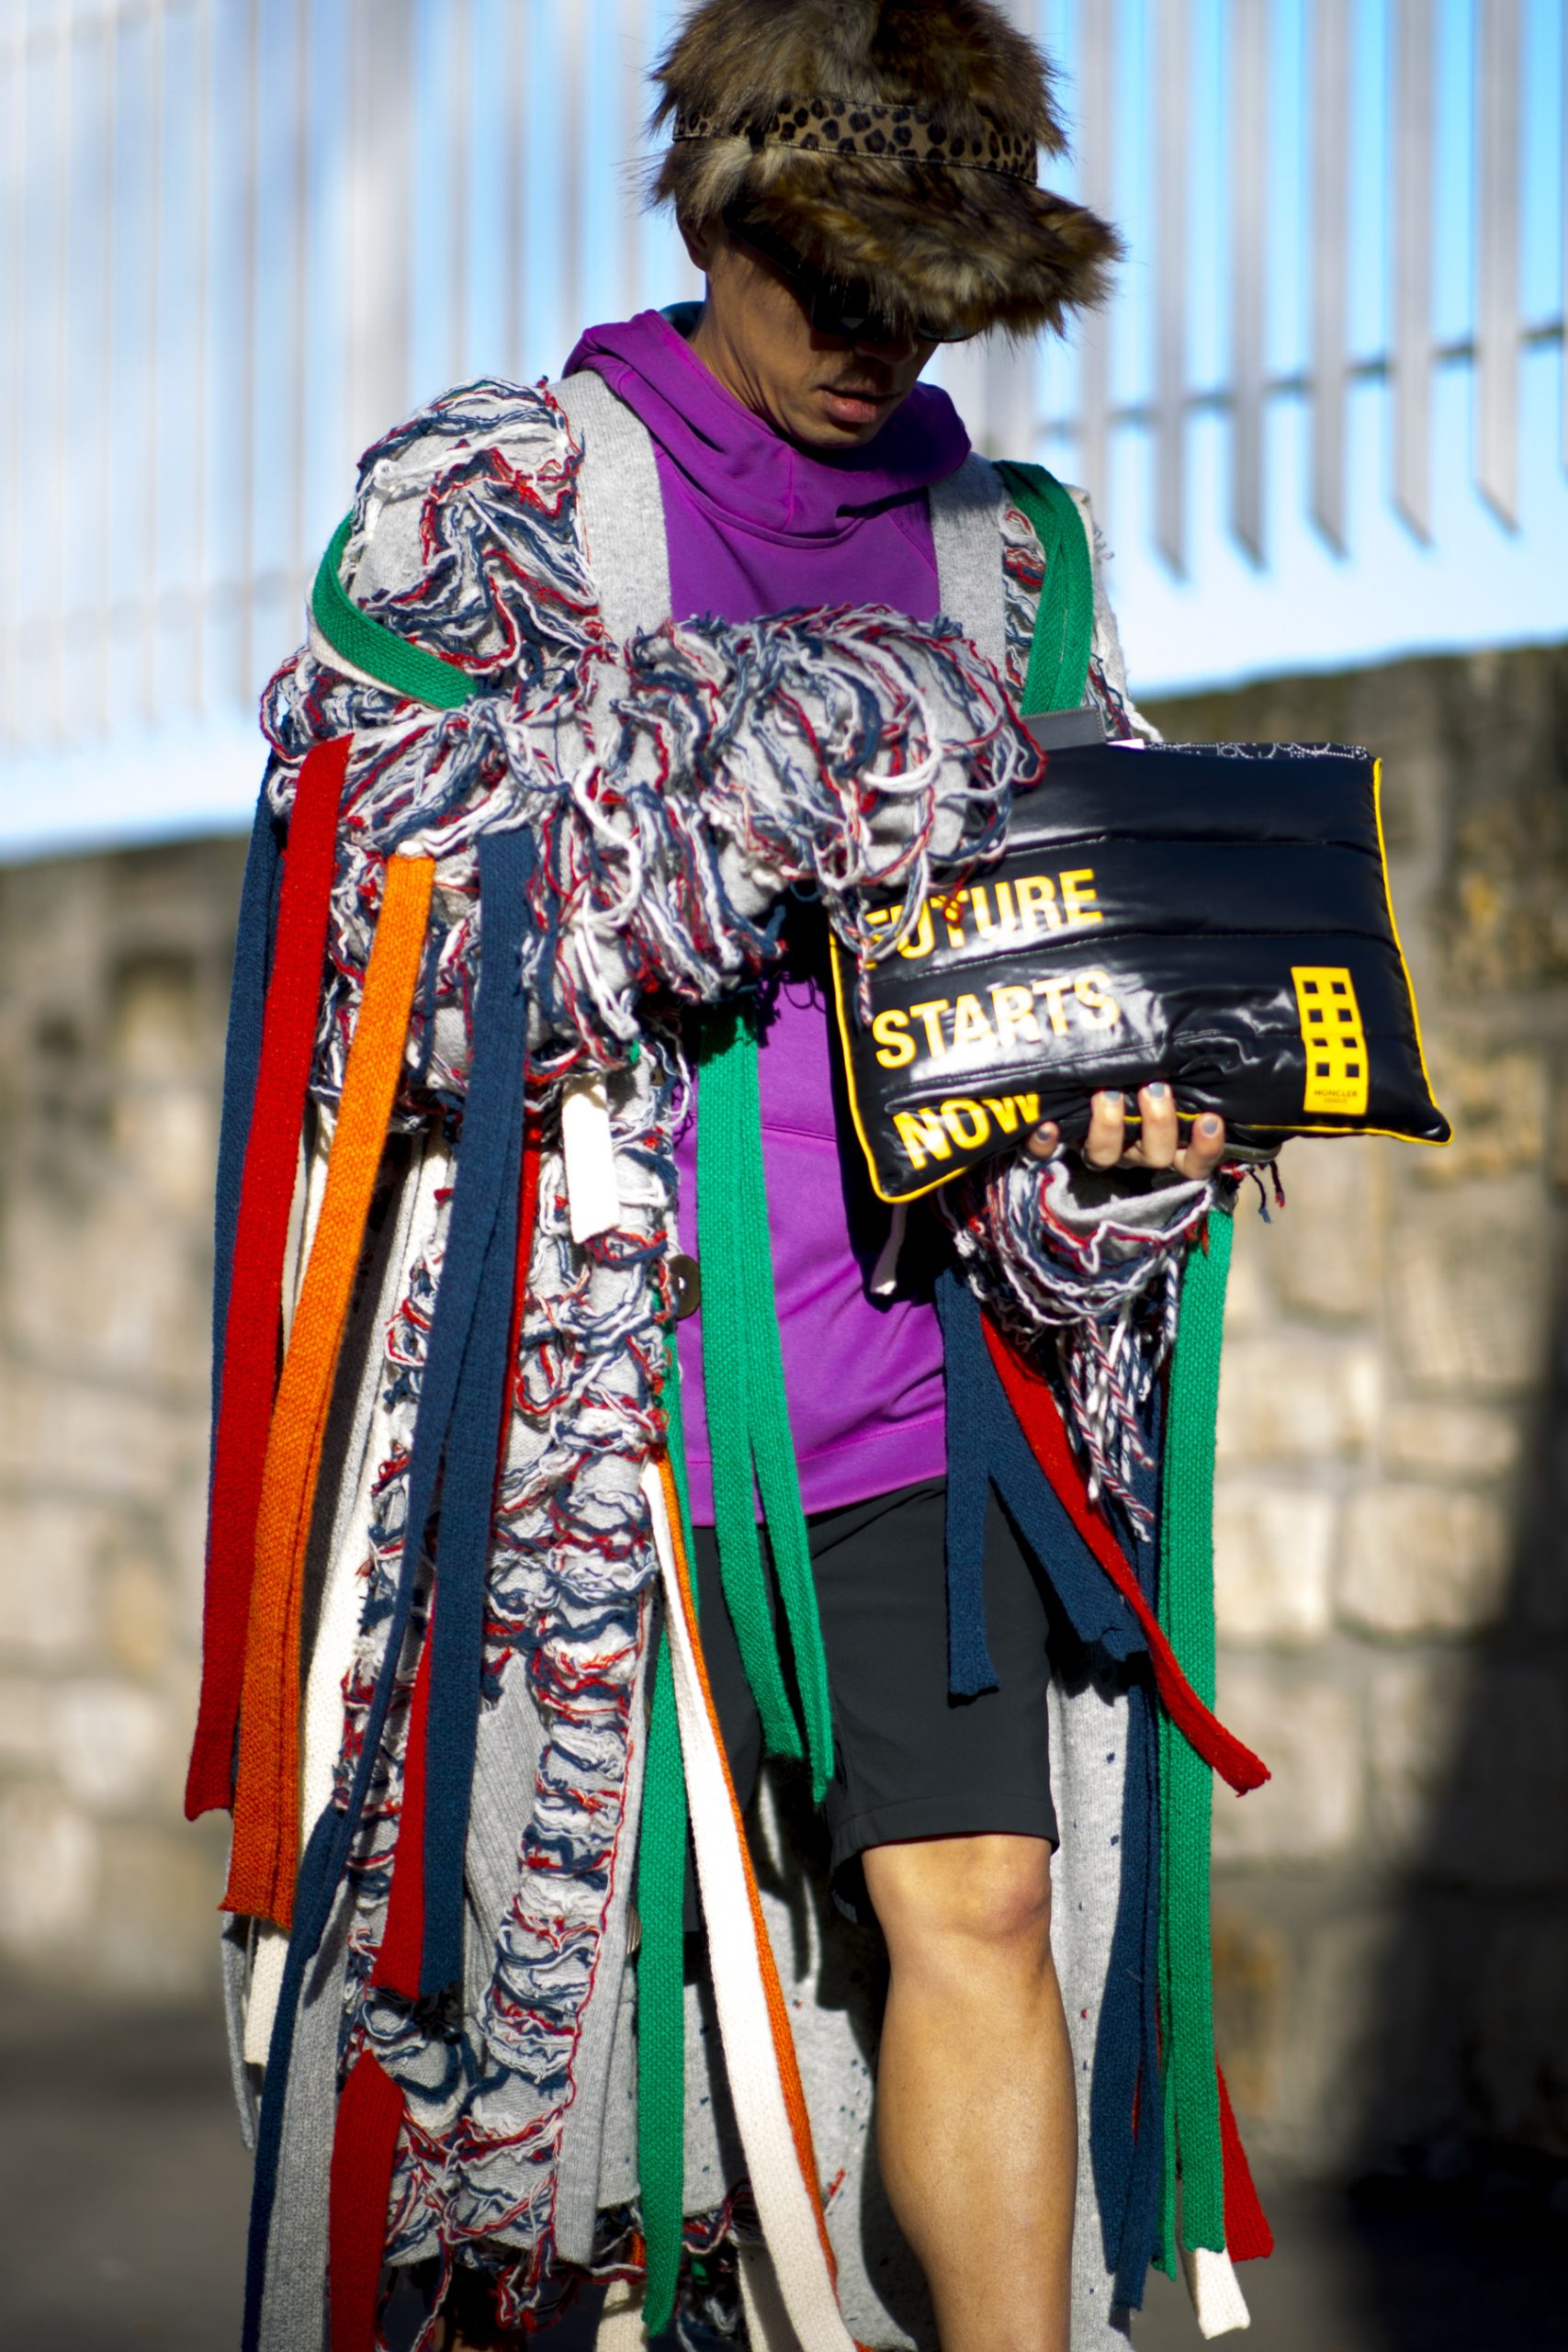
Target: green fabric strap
x,y
1063,618
371,646
1187,1614
725,1371
660,1959
749,1430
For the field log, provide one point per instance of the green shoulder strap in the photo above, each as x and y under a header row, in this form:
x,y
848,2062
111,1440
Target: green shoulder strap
x,y
1193,2148
1064,619
371,646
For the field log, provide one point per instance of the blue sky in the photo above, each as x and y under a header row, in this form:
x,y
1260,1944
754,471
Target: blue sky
x,y
1477,583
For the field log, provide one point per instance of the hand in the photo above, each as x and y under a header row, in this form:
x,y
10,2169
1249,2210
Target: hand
x,y
1156,1146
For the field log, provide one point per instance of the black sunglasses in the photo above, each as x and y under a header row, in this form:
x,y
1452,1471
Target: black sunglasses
x,y
832,306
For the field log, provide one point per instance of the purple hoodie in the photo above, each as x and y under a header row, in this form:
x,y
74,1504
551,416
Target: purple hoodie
x,y
756,525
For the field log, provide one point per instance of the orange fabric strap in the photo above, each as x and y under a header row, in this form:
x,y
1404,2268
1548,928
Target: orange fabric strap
x,y
265,1851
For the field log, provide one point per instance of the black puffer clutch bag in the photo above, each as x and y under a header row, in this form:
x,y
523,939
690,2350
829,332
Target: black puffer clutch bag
x,y
1214,914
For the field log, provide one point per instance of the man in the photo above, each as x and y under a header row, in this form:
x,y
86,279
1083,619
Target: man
x,y
855,178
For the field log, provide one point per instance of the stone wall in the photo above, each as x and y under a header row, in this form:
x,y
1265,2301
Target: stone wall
x,y
1392,1931
1392,1910
113,987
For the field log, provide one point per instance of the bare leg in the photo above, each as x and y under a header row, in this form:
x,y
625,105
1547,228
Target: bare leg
x,y
976,2128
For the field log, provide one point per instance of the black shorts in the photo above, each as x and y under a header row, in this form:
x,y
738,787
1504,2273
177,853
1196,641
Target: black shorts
x,y
909,1760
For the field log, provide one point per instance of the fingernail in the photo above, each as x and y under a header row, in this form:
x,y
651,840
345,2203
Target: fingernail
x,y
1156,1090
1208,1126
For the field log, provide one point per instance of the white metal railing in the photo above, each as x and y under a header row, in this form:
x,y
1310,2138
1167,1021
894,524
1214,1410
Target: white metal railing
x,y
239,237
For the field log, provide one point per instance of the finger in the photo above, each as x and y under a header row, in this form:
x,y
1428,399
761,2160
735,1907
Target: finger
x,y
1156,1104
1206,1149
1044,1140
1107,1128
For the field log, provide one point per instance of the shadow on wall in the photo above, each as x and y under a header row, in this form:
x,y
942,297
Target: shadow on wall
x,y
113,985
1391,1912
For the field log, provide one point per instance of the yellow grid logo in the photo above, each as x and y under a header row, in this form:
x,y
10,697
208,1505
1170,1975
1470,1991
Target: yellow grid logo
x,y
1335,1039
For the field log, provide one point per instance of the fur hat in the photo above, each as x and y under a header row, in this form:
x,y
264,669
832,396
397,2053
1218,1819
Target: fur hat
x,y
893,142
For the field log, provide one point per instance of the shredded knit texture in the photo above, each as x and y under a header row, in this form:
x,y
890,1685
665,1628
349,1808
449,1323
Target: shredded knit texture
x,y
675,786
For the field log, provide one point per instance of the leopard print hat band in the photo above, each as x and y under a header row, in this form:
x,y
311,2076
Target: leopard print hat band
x,y
902,134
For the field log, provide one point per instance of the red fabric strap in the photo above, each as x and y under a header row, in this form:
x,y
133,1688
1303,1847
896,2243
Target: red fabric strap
x,y
365,2143
255,1296
528,1219
1039,1417
398,1963
1248,2238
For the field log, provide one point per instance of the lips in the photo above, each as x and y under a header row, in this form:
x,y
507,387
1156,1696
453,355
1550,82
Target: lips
x,y
855,408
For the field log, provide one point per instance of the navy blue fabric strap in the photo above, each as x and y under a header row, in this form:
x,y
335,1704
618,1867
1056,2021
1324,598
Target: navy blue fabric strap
x,y
483,1237
319,1870
241,1057
985,1447
1126,2118
457,1301
1127,2106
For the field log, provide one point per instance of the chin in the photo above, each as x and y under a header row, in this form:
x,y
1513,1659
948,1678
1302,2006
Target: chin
x,y
823,434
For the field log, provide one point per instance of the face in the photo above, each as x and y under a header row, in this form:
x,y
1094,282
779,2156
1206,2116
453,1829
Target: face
x,y
825,392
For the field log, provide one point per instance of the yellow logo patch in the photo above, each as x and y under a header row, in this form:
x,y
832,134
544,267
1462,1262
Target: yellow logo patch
x,y
1335,1040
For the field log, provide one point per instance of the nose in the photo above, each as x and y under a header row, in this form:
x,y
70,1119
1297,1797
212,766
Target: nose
x,y
893,345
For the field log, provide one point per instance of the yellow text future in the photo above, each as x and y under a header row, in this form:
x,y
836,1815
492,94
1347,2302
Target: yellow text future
x,y
986,913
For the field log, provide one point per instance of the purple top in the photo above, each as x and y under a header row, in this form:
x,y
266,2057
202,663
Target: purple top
x,y
756,525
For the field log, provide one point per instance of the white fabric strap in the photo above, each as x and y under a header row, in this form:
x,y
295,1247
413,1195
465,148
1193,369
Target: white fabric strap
x,y
1217,2298
268,1953
884,1273
767,2321
620,2328
593,1200
786,2205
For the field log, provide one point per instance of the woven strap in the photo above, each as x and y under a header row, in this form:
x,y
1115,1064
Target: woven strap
x,y
266,1076
483,1233
748,1412
660,1970
1063,618
400,1962
266,1800
1187,1614
369,644
365,2147
1039,1416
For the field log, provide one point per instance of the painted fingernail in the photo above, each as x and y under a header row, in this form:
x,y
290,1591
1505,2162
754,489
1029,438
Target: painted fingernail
x,y
1208,1126
1156,1090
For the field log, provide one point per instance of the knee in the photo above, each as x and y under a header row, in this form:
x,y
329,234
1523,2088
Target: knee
x,y
957,1901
